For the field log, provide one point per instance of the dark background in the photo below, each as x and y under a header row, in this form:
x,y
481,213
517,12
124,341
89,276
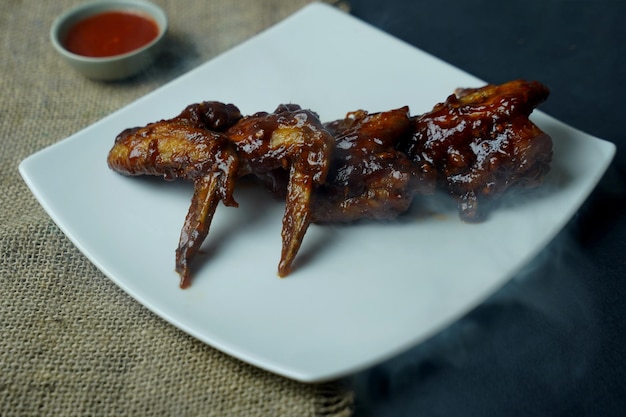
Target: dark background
x,y
552,342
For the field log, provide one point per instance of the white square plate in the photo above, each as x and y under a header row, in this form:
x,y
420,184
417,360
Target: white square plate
x,y
358,294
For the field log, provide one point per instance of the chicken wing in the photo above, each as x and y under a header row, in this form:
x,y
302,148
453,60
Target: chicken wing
x,y
293,140
369,178
482,142
183,148
475,145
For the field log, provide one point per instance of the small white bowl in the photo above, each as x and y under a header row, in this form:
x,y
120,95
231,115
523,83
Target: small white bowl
x,y
114,67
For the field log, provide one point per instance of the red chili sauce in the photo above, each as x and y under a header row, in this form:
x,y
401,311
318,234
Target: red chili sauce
x,y
110,33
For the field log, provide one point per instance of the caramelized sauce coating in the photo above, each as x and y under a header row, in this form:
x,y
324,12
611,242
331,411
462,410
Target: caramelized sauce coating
x,y
482,143
293,140
369,178
183,148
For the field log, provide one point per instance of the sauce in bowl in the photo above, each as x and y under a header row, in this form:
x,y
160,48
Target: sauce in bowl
x,y
111,33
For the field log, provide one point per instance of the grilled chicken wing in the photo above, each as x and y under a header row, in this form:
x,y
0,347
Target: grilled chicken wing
x,y
289,140
369,178
184,148
475,145
482,142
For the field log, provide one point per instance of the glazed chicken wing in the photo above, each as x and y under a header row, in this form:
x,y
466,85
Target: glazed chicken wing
x,y
184,148
369,178
482,142
475,145
288,140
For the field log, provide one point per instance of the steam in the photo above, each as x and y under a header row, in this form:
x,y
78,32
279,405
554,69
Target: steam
x,y
532,339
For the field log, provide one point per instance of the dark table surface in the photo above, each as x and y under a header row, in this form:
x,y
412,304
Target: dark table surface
x,y
552,342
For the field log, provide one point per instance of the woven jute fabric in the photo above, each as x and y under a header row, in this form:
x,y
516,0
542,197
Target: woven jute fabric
x,y
71,342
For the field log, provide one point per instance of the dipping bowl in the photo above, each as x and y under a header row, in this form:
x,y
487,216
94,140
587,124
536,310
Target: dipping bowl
x,y
114,67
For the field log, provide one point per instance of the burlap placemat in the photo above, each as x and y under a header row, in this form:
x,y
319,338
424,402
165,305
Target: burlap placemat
x,y
71,342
